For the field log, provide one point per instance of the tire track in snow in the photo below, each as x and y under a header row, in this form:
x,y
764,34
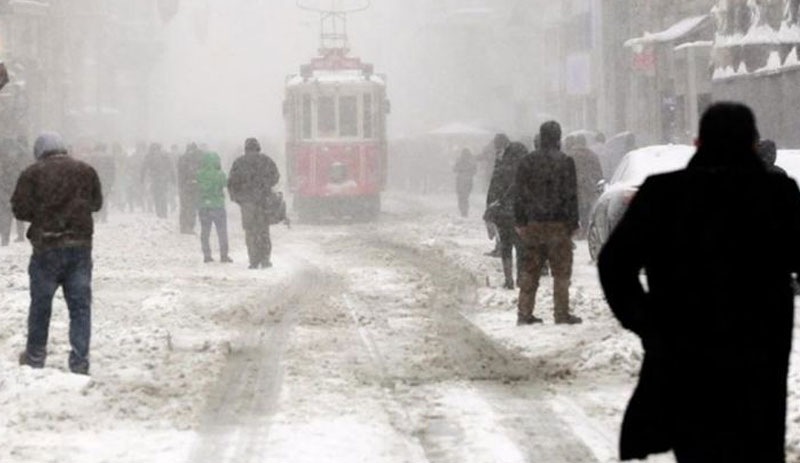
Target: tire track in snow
x,y
502,412
237,419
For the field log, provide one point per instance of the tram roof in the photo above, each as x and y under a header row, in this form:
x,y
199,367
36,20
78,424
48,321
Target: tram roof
x,y
336,77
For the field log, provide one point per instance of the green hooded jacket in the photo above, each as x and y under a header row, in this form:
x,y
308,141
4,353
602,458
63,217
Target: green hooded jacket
x,y
211,181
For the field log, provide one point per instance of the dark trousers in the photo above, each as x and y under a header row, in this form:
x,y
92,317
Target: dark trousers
x,y
546,242
256,231
219,219
70,269
188,213
509,245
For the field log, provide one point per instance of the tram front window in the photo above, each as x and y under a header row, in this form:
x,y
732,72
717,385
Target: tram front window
x,y
348,116
326,117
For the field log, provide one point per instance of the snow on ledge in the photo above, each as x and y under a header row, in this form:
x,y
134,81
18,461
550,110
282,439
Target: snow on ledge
x,y
698,44
674,32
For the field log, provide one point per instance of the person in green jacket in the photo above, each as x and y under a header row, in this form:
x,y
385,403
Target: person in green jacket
x,y
212,182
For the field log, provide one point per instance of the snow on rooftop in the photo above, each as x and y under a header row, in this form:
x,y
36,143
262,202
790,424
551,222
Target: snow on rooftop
x,y
651,160
336,77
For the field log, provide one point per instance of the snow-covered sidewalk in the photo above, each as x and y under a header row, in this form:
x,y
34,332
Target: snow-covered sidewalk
x,y
163,323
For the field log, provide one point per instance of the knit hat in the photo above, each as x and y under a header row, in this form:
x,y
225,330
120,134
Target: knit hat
x,y
47,144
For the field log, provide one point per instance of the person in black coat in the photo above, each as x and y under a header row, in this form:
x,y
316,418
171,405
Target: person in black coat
x,y
250,184
767,150
499,207
718,244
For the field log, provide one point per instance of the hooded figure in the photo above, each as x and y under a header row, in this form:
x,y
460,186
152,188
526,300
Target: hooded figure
x,y
718,244
250,185
546,216
499,207
211,182
58,195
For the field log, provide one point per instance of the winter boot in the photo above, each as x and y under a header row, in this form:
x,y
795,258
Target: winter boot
x,y
523,320
225,260
208,259
568,319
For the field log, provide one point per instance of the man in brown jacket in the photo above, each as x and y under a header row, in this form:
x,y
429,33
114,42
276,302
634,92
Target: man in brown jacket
x,y
546,216
58,195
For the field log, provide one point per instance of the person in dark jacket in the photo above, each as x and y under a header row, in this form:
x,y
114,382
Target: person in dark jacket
x,y
465,170
105,166
590,173
23,155
188,166
58,195
546,217
9,172
768,152
212,182
158,177
250,184
499,209
718,243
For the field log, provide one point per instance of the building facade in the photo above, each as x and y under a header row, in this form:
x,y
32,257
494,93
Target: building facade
x,y
78,66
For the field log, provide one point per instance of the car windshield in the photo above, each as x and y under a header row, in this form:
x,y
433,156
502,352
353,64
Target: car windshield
x,y
642,163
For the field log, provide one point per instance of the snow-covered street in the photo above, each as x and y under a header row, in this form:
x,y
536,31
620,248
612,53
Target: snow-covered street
x,y
386,342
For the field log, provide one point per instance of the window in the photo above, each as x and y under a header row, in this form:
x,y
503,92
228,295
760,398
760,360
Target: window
x,y
306,117
348,116
367,115
326,116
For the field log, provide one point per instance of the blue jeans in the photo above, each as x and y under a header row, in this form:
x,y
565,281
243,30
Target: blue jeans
x,y
219,218
70,269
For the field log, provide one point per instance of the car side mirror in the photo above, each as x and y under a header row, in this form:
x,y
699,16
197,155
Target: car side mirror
x,y
601,186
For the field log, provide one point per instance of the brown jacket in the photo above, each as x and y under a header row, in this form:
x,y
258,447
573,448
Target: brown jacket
x,y
58,195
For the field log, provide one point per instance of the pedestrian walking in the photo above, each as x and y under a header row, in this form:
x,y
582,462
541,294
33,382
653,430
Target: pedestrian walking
x,y
105,165
158,178
546,217
465,170
589,173
767,150
57,195
718,243
212,183
250,184
499,205
188,193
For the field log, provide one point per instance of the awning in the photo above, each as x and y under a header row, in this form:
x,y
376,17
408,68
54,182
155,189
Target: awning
x,y
676,31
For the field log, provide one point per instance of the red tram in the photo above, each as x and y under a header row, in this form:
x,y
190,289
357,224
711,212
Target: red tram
x,y
336,150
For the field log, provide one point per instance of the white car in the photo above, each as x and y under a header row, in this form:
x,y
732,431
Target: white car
x,y
635,167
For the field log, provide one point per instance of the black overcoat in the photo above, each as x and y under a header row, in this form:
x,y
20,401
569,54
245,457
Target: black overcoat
x,y
718,244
